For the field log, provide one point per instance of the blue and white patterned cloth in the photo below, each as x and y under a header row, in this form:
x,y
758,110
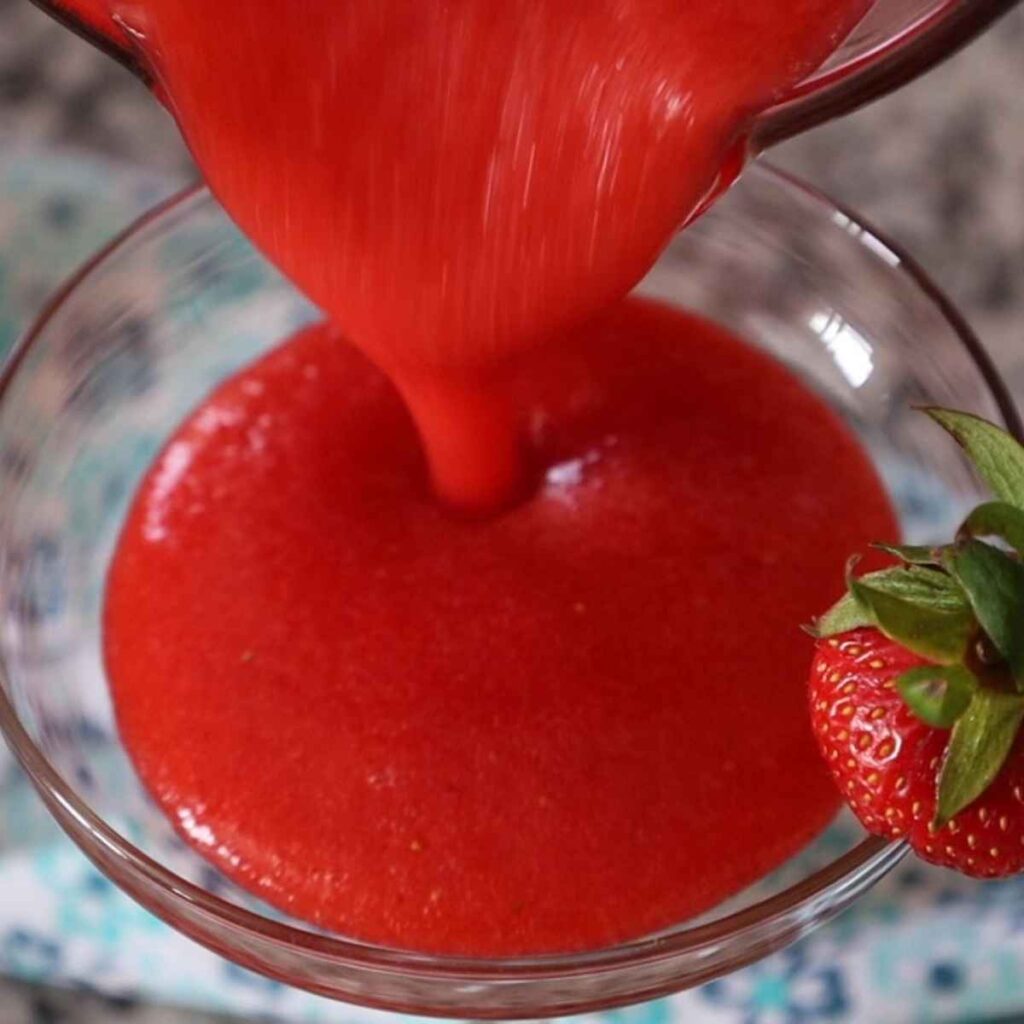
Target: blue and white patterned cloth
x,y
923,946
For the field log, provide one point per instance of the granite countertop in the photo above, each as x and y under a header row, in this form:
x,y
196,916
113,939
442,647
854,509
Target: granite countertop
x,y
939,167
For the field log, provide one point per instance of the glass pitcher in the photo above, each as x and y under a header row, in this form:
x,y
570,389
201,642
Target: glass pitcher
x,y
895,42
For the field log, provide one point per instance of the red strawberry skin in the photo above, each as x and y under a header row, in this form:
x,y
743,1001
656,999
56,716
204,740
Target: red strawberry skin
x,y
886,761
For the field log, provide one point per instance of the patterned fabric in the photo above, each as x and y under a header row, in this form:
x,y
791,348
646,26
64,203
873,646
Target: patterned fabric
x,y
923,946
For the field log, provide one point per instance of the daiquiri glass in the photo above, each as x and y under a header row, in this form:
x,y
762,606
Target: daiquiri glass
x,y
180,301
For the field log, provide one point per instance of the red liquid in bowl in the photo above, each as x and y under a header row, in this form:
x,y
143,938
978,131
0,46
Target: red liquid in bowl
x,y
570,724
580,720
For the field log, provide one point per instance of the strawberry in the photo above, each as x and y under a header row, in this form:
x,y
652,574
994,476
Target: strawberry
x,y
917,683
886,760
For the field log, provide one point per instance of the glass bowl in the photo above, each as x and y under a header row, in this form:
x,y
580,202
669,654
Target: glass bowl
x,y
180,300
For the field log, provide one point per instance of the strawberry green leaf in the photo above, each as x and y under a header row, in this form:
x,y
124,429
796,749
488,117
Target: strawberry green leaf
x,y
922,609
996,519
931,589
922,587
846,614
980,743
913,554
937,694
998,458
994,584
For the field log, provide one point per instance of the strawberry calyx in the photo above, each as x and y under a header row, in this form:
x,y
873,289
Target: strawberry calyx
x,y
960,606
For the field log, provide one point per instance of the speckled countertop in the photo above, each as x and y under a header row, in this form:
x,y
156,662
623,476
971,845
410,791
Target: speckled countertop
x,y
939,167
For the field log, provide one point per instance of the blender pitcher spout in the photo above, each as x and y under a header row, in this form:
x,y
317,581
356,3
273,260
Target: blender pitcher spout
x,y
94,21
896,42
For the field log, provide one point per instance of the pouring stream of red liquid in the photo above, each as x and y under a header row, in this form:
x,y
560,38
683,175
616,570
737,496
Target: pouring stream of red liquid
x,y
456,182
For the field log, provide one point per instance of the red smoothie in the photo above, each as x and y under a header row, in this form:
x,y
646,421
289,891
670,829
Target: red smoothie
x,y
573,723
578,720
455,180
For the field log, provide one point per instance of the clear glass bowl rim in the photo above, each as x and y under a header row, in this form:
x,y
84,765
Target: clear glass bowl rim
x,y
873,856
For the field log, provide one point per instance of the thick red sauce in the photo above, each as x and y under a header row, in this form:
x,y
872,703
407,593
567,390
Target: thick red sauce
x,y
575,721
572,723
454,180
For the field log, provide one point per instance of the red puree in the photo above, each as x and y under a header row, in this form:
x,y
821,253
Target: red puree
x,y
573,723
455,180
568,724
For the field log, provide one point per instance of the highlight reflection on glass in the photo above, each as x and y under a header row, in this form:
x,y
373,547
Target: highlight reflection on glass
x,y
851,351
